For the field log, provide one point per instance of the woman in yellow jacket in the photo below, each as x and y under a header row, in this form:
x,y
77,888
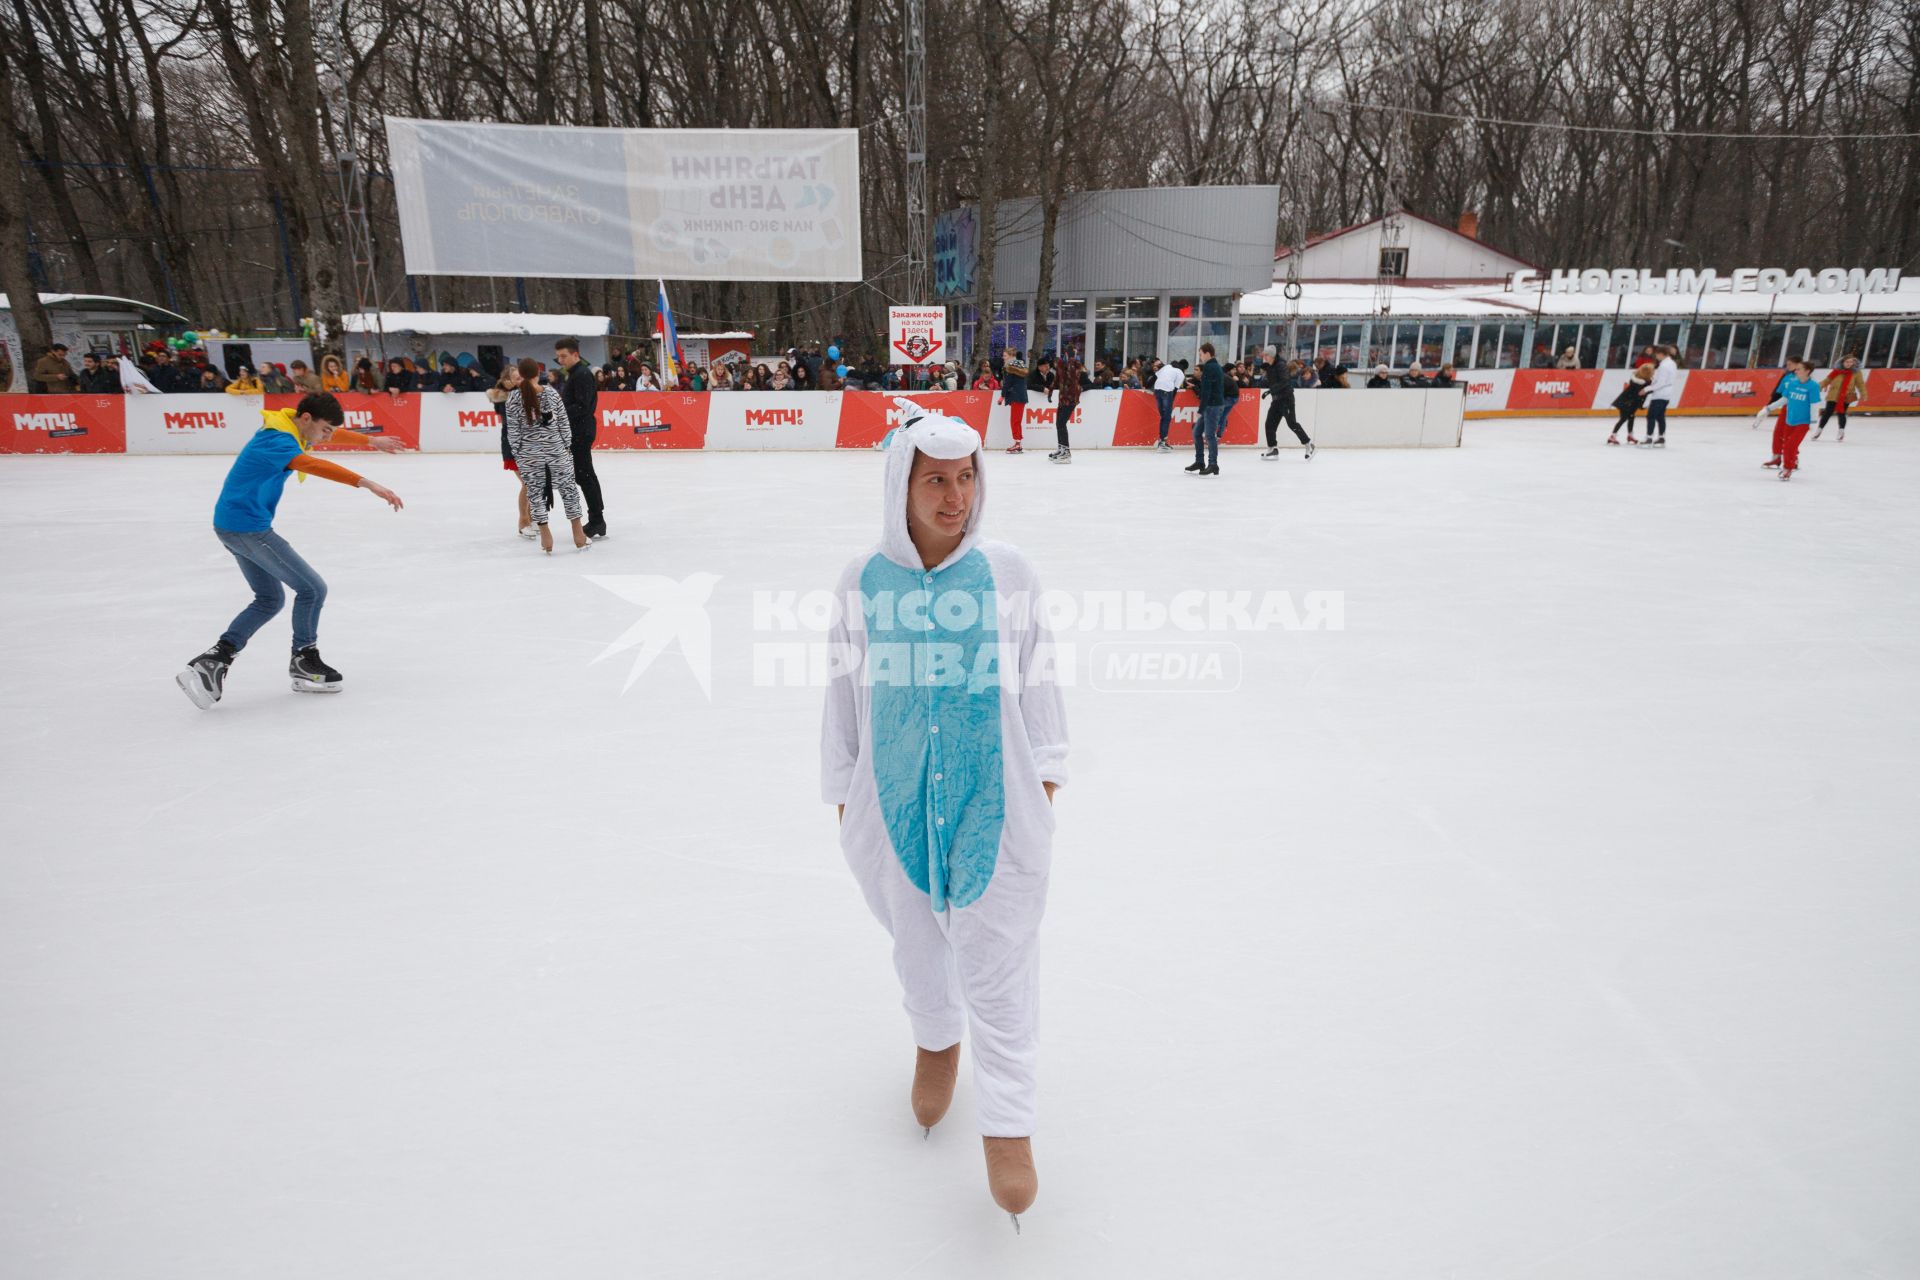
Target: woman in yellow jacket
x,y
245,383
333,373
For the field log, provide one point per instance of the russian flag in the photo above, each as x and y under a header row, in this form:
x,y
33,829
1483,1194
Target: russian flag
x,y
670,361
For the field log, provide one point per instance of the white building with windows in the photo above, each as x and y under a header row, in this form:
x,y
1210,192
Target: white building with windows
x,y
1495,326
1419,251
1158,272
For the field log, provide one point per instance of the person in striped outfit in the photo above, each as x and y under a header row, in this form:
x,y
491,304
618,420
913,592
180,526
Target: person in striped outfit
x,y
541,438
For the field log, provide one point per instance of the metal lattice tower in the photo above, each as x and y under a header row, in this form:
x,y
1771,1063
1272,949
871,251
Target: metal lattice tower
x,y
919,287
353,183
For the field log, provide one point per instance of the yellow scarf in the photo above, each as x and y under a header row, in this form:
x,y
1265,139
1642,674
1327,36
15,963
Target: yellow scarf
x,y
283,420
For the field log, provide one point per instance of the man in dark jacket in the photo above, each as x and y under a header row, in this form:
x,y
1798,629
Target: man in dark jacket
x,y
98,377
581,394
1280,406
1213,414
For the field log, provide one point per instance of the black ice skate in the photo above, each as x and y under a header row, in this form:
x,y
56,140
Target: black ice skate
x,y
1197,468
1065,455
205,678
1270,453
1210,471
311,675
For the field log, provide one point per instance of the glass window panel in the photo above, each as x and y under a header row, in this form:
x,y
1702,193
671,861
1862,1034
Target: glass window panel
x,y
1110,309
1825,337
1711,342
1906,346
1183,309
1694,354
1512,336
1350,336
1433,345
1143,338
1217,307
1487,356
1009,326
1463,351
1880,347
1541,356
1740,345
1406,345
1793,343
1183,341
1590,344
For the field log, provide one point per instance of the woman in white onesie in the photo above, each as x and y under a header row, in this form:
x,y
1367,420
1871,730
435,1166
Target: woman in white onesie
x,y
944,738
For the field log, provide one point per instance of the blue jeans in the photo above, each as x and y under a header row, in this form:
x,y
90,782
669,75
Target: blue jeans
x,y
1206,434
1165,400
1656,415
266,561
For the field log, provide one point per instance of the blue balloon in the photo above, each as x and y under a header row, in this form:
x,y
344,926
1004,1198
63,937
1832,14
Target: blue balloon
x,y
833,353
841,370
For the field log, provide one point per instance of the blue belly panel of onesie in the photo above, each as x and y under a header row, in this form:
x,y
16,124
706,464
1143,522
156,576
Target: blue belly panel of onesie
x,y
932,663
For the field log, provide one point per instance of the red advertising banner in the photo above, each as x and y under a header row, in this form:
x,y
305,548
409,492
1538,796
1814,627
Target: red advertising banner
x,y
867,416
1734,390
371,414
1140,419
63,424
1561,389
651,420
1893,389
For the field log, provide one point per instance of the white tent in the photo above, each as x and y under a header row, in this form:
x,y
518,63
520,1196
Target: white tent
x,y
485,335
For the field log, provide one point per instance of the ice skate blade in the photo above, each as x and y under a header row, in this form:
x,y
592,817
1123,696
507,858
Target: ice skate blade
x,y
310,686
1016,1222
196,692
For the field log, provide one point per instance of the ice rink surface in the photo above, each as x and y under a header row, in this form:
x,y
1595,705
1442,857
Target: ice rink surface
x,y
1554,918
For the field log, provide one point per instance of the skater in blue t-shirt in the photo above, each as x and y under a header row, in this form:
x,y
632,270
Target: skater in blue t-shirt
x,y
243,521
1799,394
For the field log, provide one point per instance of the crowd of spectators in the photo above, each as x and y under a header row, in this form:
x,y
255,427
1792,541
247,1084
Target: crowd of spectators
x,y
797,369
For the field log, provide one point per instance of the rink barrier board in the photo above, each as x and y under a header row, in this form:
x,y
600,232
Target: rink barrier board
x,y
468,423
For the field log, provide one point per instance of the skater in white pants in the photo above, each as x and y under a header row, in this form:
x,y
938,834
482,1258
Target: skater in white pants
x,y
944,738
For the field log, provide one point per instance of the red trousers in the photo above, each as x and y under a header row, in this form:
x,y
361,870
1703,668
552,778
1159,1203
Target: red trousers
x,y
1015,412
1790,438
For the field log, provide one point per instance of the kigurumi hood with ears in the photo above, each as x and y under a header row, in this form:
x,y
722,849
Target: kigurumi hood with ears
x,y
927,431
